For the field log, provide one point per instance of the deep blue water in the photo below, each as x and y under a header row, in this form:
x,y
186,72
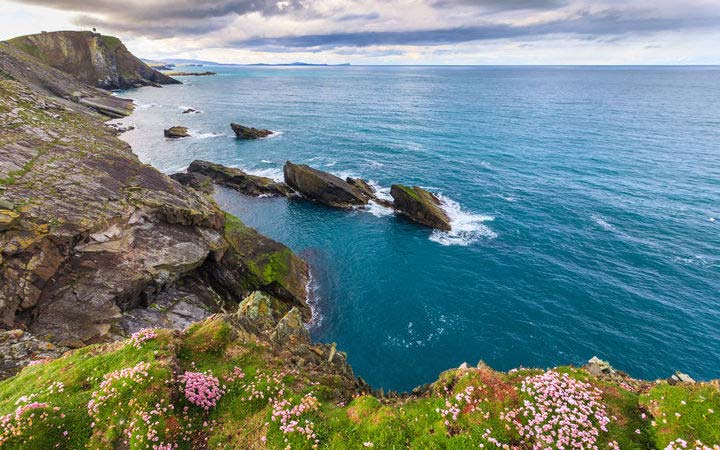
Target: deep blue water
x,y
587,199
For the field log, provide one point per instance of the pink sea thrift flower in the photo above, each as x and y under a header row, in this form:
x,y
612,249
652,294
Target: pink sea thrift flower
x,y
202,389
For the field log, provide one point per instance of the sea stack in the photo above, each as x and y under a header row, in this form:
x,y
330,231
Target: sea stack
x,y
243,132
420,206
176,132
322,187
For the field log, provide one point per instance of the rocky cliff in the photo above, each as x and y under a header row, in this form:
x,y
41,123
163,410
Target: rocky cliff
x,y
95,59
94,244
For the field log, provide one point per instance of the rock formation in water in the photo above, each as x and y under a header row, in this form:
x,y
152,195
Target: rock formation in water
x,y
97,60
176,132
238,180
322,187
243,132
420,206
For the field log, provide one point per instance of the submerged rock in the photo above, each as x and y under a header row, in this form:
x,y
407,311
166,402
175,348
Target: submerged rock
x,y
190,111
243,132
176,132
238,180
322,187
420,206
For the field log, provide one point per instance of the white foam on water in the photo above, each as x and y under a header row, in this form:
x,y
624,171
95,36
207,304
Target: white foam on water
x,y
273,135
603,223
274,173
265,161
712,219
205,135
145,105
467,228
330,164
378,210
313,300
381,192
507,198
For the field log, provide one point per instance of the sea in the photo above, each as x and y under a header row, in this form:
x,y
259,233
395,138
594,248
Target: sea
x,y
585,206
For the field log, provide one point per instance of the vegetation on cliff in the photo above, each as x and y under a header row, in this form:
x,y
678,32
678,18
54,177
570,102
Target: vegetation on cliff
x,y
239,381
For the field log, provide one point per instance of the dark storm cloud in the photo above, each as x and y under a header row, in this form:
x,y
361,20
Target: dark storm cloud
x,y
147,10
608,23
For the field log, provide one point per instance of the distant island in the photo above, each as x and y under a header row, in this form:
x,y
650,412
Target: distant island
x,y
169,64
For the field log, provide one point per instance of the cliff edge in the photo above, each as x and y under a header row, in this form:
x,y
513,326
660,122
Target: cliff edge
x,y
95,59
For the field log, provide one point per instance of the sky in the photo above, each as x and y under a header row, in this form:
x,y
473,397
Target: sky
x,y
390,31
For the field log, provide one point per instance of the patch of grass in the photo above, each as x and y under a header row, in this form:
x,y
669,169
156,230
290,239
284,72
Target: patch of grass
x,y
690,412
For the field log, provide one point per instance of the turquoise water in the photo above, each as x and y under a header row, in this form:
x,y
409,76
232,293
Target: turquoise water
x,y
586,203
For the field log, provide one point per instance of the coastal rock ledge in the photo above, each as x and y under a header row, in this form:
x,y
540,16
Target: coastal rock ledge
x,y
236,179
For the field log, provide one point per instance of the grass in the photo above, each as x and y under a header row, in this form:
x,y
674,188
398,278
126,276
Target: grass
x,y
689,412
131,408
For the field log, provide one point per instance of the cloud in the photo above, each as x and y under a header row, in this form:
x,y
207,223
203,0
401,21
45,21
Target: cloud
x,y
603,24
383,28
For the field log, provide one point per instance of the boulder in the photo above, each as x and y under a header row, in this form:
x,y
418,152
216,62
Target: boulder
x,y
291,330
176,132
679,377
322,187
238,180
243,132
190,111
598,367
420,206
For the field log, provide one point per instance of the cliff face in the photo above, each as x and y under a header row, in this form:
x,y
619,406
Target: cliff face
x,y
101,61
94,244
64,88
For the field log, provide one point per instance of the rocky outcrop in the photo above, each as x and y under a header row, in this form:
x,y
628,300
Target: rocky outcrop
x,y
176,132
420,206
19,348
94,59
255,262
322,187
69,92
243,132
196,181
238,180
96,244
